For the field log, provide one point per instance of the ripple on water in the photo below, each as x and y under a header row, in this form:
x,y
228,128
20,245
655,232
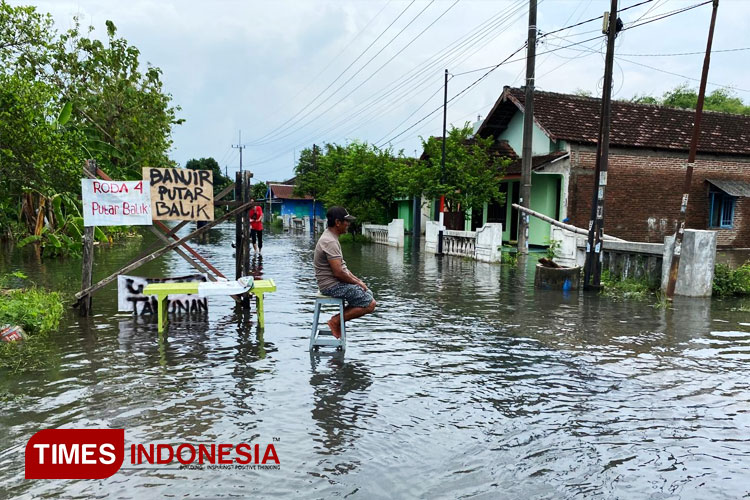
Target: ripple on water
x,y
465,383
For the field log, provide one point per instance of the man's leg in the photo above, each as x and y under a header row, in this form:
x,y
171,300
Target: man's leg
x,y
252,239
350,313
260,241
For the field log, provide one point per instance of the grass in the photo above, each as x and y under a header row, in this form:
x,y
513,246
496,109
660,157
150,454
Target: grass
x,y
629,288
38,312
349,238
731,282
509,255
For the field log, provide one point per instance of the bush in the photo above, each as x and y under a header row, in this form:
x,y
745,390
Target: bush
x,y
508,255
728,282
348,238
628,288
38,312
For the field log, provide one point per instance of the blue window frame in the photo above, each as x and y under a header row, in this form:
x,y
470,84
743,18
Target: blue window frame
x,y
721,213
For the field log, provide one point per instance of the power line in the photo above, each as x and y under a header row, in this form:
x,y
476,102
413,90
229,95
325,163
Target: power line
x,y
258,141
685,53
668,14
475,82
467,41
280,137
334,59
682,76
375,72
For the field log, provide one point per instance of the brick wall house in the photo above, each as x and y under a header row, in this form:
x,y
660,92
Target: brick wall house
x,y
648,152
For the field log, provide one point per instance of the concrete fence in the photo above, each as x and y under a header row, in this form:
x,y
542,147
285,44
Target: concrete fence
x,y
648,261
483,244
320,225
391,234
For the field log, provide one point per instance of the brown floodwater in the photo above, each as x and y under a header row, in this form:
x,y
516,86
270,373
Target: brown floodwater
x,y
465,383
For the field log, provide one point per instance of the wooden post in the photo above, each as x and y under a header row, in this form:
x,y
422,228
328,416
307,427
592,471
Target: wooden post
x,y
246,195
87,269
238,240
677,248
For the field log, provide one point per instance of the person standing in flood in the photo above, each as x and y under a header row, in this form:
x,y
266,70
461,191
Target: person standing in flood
x,y
256,227
334,278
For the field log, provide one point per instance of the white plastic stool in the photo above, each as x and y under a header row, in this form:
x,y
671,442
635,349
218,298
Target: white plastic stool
x,y
320,337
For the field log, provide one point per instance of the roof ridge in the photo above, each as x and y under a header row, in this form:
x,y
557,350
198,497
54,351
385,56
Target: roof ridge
x,y
627,102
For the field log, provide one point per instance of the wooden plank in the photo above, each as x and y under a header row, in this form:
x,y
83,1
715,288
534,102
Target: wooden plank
x,y
158,253
87,269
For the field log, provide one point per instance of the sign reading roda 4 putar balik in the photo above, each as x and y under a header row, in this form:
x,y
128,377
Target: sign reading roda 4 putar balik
x,y
181,194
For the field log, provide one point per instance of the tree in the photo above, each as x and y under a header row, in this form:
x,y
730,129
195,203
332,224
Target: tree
x,y
259,190
472,172
124,113
364,185
66,98
220,181
687,98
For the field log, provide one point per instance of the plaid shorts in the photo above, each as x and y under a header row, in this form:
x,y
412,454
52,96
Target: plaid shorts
x,y
353,294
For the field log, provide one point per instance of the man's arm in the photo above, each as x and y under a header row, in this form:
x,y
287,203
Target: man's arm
x,y
347,277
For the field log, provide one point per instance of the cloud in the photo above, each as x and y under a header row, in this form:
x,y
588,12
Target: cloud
x,y
252,66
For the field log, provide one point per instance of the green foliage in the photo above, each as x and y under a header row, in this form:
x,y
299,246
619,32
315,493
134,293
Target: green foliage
x,y
509,255
349,238
629,288
65,98
553,248
366,180
685,97
472,173
35,310
728,281
357,176
259,190
220,181
277,223
33,354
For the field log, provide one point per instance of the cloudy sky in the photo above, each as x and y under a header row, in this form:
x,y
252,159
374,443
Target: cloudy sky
x,y
290,73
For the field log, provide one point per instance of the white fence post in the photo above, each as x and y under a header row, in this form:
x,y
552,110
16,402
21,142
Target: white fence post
x,y
396,233
431,229
488,243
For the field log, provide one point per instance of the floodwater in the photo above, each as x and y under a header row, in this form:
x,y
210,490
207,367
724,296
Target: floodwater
x,y
465,383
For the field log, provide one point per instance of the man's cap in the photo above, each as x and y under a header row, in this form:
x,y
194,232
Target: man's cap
x,y
339,213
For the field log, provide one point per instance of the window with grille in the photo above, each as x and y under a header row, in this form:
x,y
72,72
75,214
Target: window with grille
x,y
721,210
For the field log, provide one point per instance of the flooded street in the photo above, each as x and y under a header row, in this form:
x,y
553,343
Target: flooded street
x,y
465,383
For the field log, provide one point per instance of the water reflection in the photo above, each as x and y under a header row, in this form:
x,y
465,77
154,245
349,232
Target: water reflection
x,y
465,377
341,406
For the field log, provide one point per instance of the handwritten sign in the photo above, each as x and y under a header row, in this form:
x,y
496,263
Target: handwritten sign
x,y
130,296
181,194
115,203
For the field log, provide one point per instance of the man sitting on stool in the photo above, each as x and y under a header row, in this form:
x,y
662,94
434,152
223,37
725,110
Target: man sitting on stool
x,y
334,279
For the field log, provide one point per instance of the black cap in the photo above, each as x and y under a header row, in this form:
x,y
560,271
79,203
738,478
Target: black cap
x,y
338,213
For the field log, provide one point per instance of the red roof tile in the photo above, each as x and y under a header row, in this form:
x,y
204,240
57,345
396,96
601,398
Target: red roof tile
x,y
576,119
286,192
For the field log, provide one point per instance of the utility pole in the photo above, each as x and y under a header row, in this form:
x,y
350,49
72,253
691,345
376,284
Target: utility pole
x,y
593,270
528,132
240,147
442,168
675,264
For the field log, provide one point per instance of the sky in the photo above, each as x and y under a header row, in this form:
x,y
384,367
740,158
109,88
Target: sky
x,y
279,76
